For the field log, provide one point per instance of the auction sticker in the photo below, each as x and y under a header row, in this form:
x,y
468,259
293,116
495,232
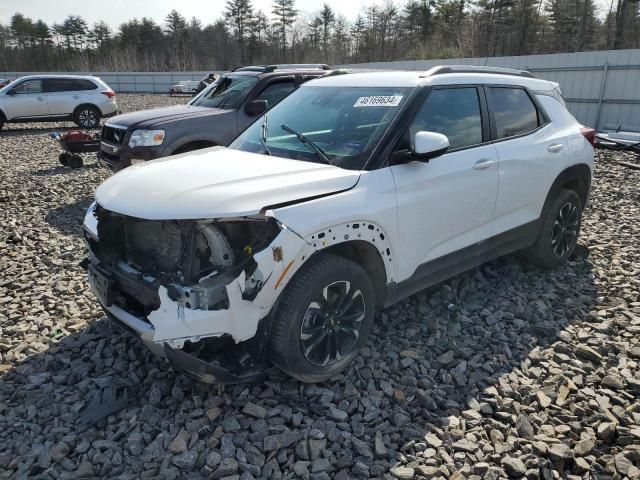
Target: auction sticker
x,y
379,101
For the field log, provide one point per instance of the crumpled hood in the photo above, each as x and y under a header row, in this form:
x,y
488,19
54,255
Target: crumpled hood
x,y
217,182
155,116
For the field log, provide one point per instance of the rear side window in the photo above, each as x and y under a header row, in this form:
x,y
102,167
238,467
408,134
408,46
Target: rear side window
x,y
84,85
58,85
454,112
513,110
68,85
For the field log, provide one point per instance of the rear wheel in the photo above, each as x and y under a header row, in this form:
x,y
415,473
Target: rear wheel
x,y
558,235
87,117
64,158
322,319
75,161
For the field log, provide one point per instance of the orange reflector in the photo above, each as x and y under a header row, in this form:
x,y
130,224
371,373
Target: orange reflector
x,y
284,272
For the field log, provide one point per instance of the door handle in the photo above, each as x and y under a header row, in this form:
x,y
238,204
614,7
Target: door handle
x,y
555,147
40,99
75,97
482,164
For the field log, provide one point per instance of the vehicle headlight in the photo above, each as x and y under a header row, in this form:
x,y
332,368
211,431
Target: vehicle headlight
x,y
146,138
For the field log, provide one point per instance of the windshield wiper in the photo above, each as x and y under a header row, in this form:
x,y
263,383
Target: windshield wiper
x,y
320,153
263,135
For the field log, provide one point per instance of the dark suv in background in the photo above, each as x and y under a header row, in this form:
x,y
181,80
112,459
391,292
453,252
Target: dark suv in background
x,y
214,117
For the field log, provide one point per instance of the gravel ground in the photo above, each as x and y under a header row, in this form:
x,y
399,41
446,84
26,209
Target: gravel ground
x,y
505,371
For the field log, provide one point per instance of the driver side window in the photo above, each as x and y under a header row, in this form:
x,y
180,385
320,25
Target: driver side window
x,y
275,92
454,112
29,86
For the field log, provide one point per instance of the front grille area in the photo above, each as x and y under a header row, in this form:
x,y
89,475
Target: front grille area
x,y
113,135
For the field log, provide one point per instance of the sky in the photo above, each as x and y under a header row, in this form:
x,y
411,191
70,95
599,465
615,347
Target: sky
x,y
114,12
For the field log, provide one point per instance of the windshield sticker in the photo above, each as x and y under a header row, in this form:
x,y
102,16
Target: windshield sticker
x,y
379,101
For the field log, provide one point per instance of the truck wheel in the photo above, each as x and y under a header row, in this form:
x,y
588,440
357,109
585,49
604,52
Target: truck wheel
x,y
559,232
87,117
64,158
75,161
322,318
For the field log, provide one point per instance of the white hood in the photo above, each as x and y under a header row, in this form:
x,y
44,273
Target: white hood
x,y
217,182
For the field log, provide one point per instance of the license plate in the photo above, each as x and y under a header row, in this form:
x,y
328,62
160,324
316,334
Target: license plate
x,y
102,287
135,161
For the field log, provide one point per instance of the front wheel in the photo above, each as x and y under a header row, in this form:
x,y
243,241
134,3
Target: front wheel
x,y
322,319
87,117
558,235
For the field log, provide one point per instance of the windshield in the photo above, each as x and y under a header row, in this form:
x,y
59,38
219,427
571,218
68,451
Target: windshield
x,y
343,124
226,92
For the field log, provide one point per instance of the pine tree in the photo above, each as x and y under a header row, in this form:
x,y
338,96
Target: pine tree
x,y
285,14
239,14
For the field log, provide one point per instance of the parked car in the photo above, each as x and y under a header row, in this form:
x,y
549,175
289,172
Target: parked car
x,y
51,98
214,117
352,193
184,86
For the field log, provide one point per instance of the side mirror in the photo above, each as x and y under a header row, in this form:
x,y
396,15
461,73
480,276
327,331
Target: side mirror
x,y
427,145
11,91
256,107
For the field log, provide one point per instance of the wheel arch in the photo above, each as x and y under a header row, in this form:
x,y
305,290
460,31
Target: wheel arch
x,y
369,258
3,117
577,178
86,104
363,242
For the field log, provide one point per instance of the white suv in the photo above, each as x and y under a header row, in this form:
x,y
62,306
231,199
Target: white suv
x,y
44,98
352,193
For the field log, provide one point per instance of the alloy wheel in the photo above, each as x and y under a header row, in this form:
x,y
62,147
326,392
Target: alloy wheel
x,y
564,233
87,118
331,324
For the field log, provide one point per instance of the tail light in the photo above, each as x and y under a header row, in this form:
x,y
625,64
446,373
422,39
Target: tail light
x,y
109,93
589,134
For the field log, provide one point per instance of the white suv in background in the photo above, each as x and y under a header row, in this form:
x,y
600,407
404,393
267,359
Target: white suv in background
x,y
50,98
350,194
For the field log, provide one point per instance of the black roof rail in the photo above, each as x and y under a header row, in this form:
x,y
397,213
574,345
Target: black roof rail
x,y
478,69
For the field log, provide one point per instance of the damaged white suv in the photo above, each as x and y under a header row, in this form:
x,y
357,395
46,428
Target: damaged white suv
x,y
352,193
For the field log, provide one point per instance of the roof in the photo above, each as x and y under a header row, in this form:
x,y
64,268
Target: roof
x,y
442,75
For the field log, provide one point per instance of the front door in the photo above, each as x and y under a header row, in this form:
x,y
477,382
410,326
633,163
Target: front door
x,y
27,101
447,203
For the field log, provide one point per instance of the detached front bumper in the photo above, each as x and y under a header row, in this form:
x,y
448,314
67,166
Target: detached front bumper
x,y
213,329
230,365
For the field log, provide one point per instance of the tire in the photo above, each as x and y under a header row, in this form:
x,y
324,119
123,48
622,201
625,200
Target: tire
x,y
64,158
87,116
75,161
559,233
298,323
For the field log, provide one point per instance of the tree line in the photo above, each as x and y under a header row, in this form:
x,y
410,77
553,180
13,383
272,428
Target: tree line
x,y
417,29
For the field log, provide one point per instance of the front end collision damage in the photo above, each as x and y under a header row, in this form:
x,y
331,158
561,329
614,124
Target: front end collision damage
x,y
194,291
209,315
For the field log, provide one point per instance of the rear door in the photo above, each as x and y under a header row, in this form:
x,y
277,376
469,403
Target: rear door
x,y
446,204
28,100
61,95
532,151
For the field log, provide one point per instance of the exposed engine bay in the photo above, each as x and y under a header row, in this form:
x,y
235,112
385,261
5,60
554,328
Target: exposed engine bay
x,y
189,258
198,285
